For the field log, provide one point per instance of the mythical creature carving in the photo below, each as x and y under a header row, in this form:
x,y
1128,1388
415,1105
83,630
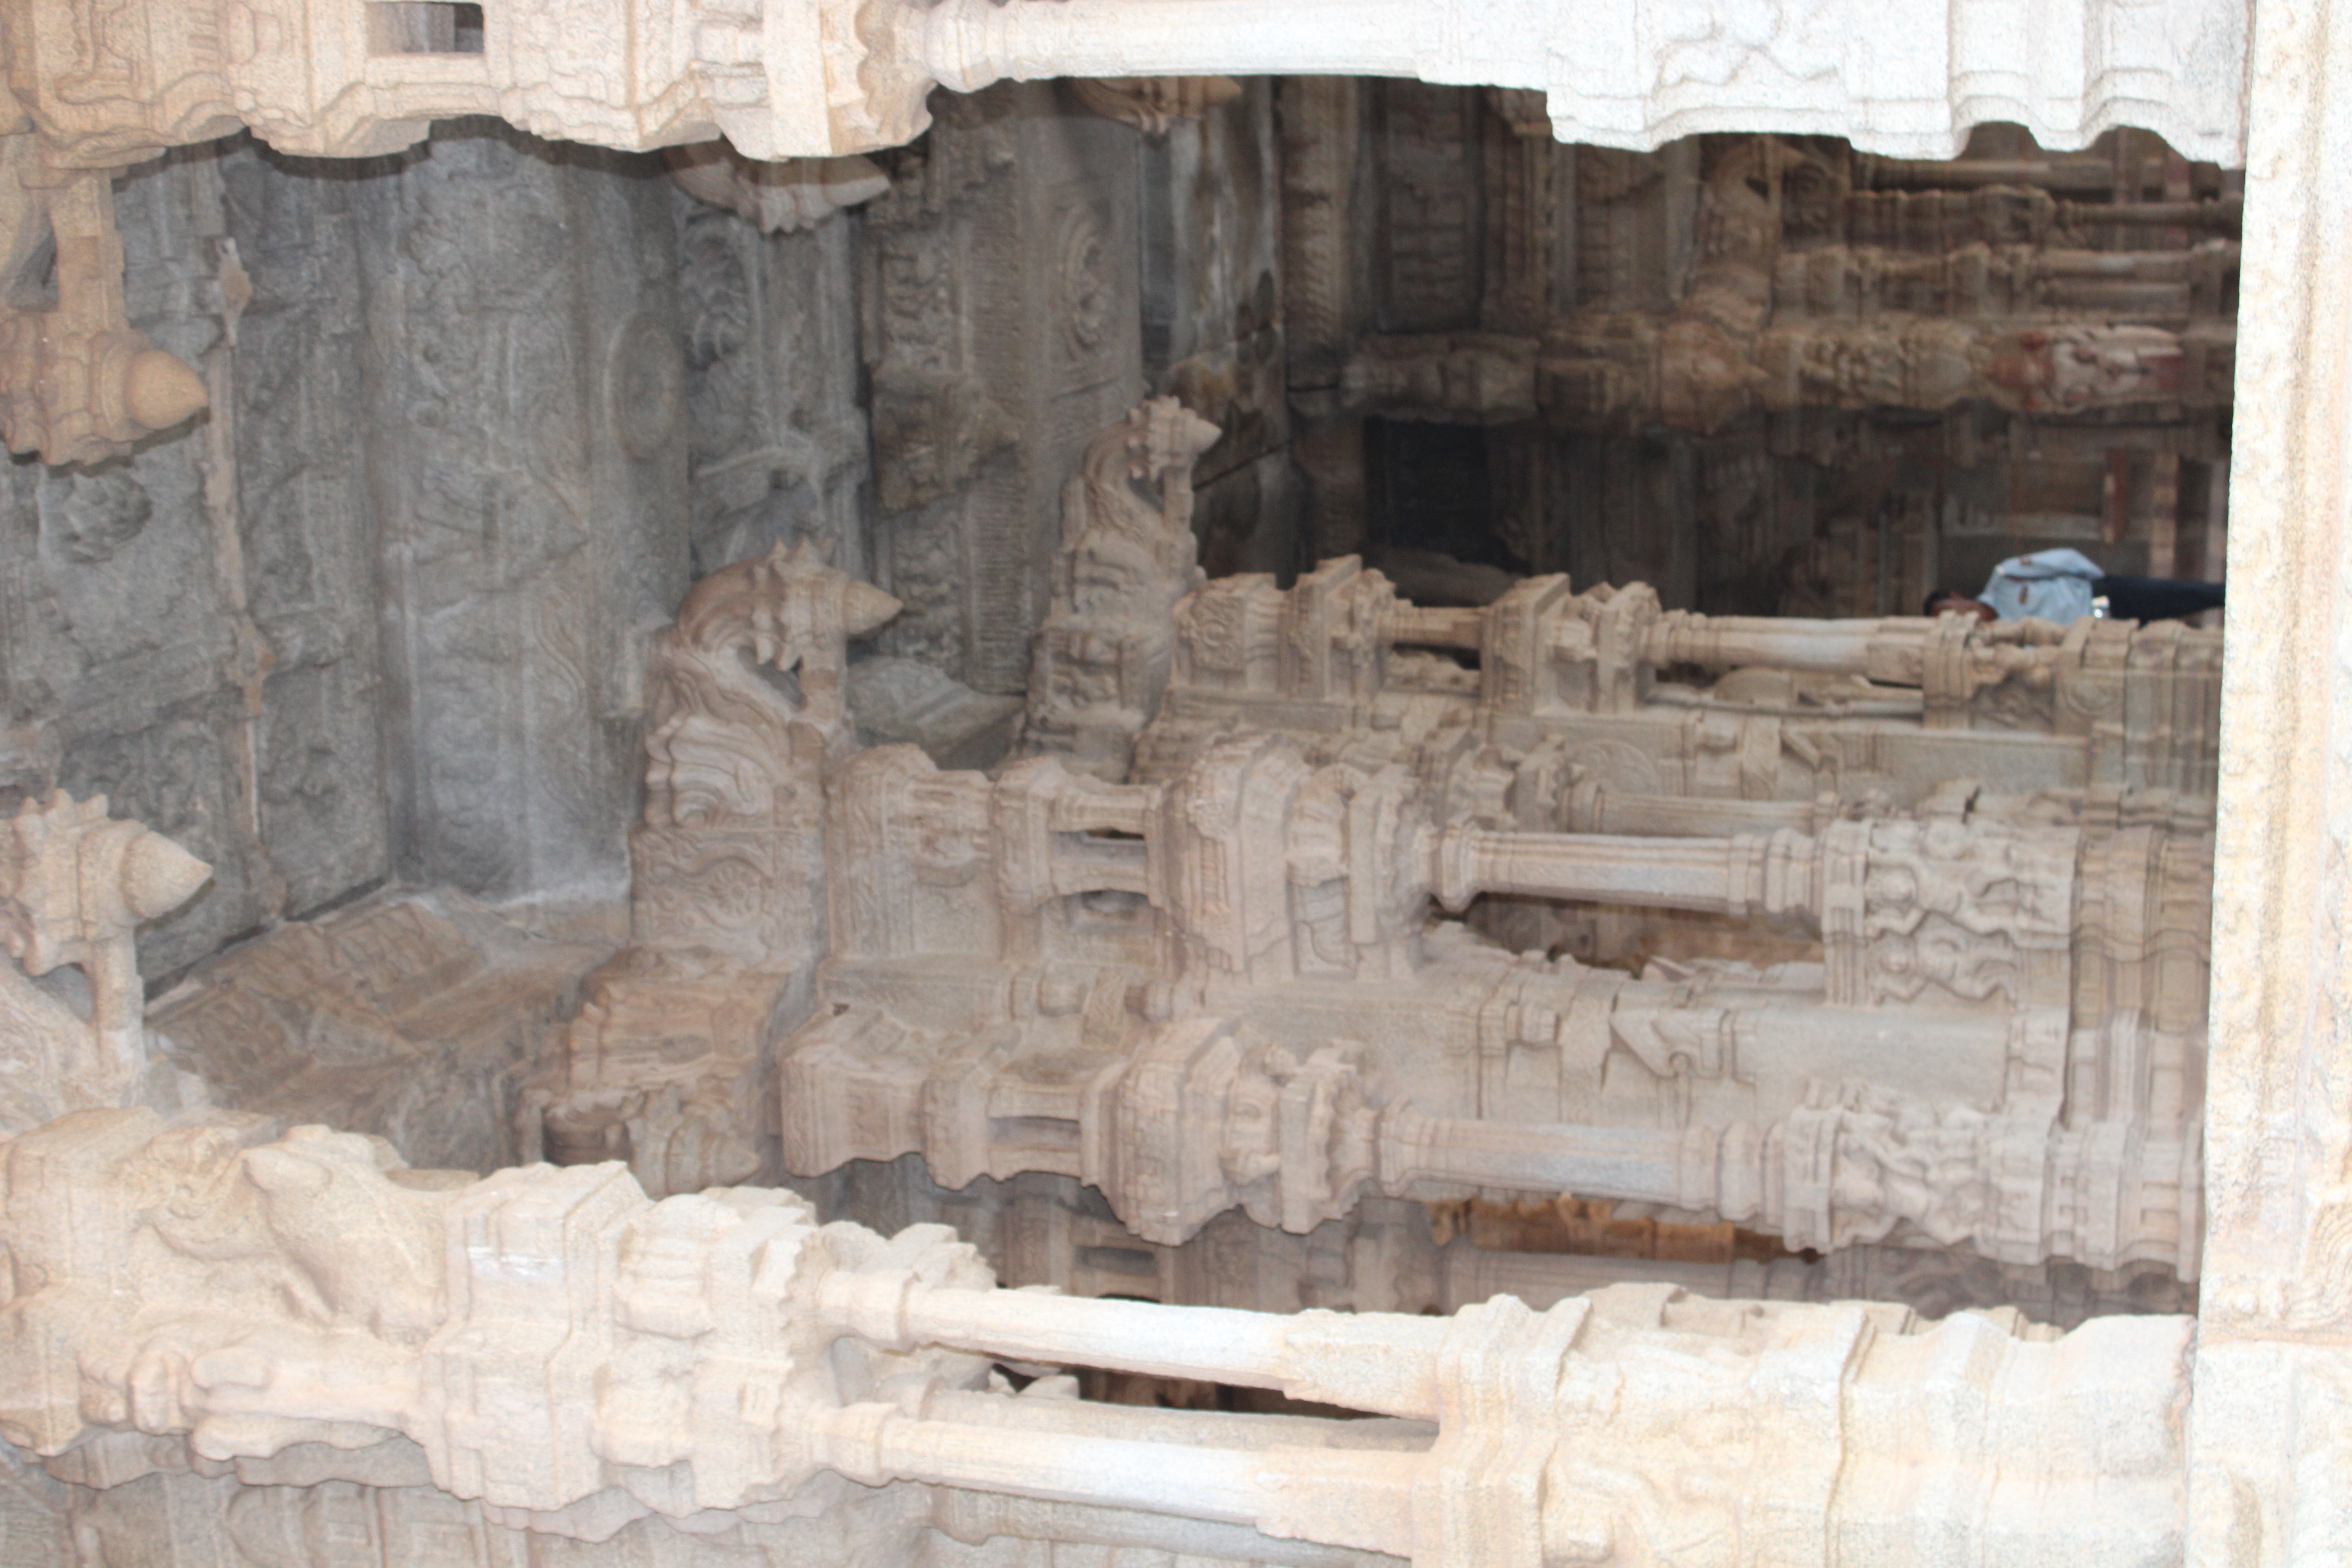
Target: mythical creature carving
x,y
1101,660
665,1062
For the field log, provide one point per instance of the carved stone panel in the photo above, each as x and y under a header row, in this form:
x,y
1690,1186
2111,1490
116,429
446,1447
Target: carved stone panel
x,y
1001,332
528,458
776,432
130,664
407,1015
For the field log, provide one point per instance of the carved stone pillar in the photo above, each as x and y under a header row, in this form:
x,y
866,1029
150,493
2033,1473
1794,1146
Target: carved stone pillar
x,y
576,1358
2272,1423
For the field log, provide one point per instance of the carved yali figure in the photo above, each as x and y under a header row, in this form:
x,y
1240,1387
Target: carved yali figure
x,y
665,1063
1101,659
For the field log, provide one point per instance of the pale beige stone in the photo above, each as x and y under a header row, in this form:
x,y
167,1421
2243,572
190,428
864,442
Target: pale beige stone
x,y
1100,663
1224,989
74,887
573,1357
76,385
667,1063
97,86
1573,688
1389,1255
410,1015
2268,1417
1220,991
849,75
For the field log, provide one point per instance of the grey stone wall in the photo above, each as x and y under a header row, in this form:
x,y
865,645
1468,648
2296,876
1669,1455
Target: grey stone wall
x,y
776,433
135,660
523,429
1211,191
481,412
1002,331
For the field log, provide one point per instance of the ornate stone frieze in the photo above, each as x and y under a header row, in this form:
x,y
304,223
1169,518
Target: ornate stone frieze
x,y
845,77
1576,688
552,1346
100,87
1221,991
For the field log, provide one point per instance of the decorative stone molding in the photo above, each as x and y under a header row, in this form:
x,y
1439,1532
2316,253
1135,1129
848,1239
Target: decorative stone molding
x,y
76,385
74,887
666,1064
849,75
1568,690
573,1357
1221,991
101,86
1640,76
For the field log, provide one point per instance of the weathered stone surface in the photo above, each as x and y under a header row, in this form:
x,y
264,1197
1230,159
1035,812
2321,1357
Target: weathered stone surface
x,y
480,409
410,1015
1211,191
525,419
552,1345
1001,329
775,430
130,663
2270,1459
299,494
904,701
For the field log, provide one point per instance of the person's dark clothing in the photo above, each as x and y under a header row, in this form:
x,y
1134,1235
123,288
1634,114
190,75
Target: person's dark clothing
x,y
2156,598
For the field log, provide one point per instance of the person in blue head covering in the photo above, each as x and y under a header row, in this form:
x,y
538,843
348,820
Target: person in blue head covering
x,y
2064,585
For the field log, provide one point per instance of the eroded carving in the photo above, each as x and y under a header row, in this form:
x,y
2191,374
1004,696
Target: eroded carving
x,y
573,1357
1153,104
1100,663
778,197
666,1063
76,385
74,887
